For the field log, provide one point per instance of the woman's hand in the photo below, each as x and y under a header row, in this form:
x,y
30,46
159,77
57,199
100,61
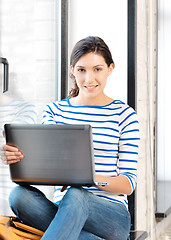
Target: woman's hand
x,y
12,154
117,185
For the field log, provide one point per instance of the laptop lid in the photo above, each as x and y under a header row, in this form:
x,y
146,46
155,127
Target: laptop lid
x,y
54,154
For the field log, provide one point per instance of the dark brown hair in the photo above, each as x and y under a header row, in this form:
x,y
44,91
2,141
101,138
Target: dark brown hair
x,y
84,46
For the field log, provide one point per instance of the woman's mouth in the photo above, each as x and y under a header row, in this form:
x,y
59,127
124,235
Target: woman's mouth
x,y
91,87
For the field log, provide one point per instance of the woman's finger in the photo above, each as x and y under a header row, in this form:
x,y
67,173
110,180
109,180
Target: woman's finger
x,y
10,148
17,154
63,188
7,162
9,158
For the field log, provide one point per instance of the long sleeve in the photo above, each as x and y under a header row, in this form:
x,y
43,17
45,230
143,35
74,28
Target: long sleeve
x,y
128,145
48,115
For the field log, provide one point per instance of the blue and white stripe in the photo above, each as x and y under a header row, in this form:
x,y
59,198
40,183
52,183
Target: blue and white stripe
x,y
115,136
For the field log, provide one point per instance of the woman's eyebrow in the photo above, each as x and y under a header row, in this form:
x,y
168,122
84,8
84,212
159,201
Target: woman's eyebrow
x,y
98,65
79,66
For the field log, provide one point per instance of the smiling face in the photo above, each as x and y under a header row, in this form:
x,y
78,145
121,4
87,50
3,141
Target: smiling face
x,y
91,72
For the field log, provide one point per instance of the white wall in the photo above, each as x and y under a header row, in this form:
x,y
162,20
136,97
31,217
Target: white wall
x,y
108,20
164,90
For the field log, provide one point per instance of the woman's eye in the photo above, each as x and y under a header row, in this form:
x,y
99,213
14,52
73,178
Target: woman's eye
x,y
98,69
81,70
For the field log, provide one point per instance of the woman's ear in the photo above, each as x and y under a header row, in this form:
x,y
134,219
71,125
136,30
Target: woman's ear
x,y
111,67
72,73
72,69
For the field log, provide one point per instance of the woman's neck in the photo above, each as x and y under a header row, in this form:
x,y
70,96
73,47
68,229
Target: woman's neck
x,y
80,101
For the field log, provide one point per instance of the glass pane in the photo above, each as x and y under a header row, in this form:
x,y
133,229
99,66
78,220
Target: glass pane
x,y
163,105
27,41
115,36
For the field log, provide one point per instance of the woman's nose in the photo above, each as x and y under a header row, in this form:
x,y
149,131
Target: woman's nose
x,y
89,77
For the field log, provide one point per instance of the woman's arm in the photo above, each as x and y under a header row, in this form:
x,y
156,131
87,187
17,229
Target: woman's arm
x,y
125,181
117,185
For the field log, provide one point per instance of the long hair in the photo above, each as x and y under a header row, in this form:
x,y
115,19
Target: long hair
x,y
81,48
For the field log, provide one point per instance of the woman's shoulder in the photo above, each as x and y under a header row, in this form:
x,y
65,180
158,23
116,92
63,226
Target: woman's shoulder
x,y
123,106
63,102
127,114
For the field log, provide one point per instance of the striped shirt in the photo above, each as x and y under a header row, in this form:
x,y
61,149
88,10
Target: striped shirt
x,y
115,137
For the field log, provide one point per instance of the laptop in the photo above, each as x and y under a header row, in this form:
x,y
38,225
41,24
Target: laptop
x,y
53,154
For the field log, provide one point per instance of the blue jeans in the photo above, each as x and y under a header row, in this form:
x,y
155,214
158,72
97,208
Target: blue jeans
x,y
80,215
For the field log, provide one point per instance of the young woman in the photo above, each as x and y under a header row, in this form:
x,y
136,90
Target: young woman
x,y
95,212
